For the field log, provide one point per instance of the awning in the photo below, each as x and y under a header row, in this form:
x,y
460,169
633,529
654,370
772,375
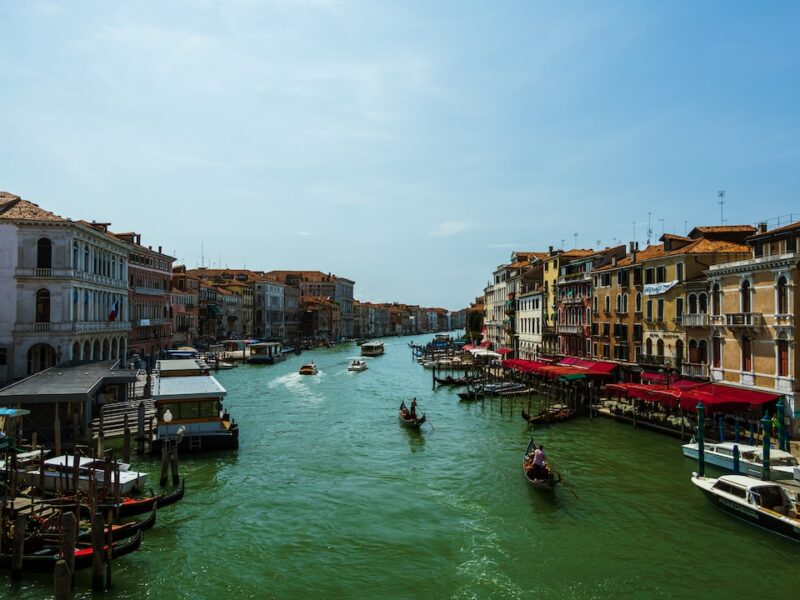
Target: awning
x,y
504,351
715,396
468,347
214,310
653,376
573,377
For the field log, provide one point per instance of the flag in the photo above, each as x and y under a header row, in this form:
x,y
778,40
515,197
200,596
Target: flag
x,y
112,315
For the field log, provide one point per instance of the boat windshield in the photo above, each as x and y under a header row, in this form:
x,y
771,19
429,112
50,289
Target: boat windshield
x,y
768,496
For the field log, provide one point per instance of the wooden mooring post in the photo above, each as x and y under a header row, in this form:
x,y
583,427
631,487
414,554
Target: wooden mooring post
x,y
69,532
18,547
97,552
62,581
57,434
140,428
126,440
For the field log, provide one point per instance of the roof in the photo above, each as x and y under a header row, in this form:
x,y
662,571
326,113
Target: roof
x,y
722,229
777,230
15,208
652,251
65,384
706,246
182,364
174,388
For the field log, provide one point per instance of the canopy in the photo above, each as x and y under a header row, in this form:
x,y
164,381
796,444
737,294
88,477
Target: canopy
x,y
504,351
686,394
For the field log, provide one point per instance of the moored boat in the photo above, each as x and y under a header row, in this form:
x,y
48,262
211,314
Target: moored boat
x,y
761,503
266,353
555,414
309,369
357,365
781,464
129,507
545,479
407,419
59,475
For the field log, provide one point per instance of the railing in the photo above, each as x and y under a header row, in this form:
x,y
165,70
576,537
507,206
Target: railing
x,y
44,272
93,326
574,299
716,319
785,320
576,329
41,326
148,291
651,359
748,319
695,370
695,320
572,277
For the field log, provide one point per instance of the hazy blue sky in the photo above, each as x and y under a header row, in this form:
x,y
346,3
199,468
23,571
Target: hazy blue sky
x,y
408,145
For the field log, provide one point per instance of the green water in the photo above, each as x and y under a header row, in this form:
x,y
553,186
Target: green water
x,y
329,497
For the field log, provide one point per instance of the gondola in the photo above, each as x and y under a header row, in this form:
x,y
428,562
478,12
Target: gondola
x,y
409,422
548,417
45,560
454,381
50,535
546,483
130,507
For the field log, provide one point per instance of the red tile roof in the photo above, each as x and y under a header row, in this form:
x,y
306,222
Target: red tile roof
x,y
15,208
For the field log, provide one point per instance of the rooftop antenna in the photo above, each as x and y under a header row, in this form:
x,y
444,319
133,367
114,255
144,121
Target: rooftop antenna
x,y
685,227
721,202
575,240
662,226
562,243
649,228
202,254
634,231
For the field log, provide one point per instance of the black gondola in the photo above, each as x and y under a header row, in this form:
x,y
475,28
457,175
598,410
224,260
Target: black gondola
x,y
408,421
541,481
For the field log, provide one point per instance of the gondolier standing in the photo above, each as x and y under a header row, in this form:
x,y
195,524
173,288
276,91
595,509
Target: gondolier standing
x,y
414,408
539,461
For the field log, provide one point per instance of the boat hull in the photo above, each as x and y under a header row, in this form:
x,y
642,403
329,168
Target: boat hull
x,y
726,463
411,423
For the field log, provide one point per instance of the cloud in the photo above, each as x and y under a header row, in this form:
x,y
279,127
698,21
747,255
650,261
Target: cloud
x,y
448,228
304,233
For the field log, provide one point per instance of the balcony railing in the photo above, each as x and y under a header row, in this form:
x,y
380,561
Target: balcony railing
x,y
41,326
699,370
139,289
44,272
784,320
652,359
94,326
574,329
695,320
748,319
716,319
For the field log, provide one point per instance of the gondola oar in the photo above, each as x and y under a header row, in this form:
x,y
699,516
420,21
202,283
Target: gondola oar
x,y
563,480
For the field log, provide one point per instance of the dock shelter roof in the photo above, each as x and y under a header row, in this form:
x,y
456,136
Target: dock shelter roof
x,y
186,388
571,365
687,394
65,384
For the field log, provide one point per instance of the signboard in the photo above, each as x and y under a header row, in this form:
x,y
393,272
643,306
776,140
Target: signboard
x,y
654,289
144,322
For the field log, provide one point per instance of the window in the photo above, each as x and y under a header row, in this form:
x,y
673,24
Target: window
x,y
678,310
744,296
692,304
649,347
747,354
660,347
75,254
703,350
606,279
619,303
622,278
649,314
637,276
44,254
781,303
625,303
783,358
702,304
716,300
43,306
3,357
649,276
638,302
607,304
594,303
661,274
679,271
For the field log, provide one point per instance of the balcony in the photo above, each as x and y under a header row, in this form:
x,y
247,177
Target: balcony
x,y
98,326
41,326
743,320
574,278
44,272
573,329
695,320
574,299
148,291
698,370
718,320
784,320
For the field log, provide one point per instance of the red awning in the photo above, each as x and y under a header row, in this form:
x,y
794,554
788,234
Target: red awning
x,y
603,367
468,347
568,360
715,396
504,351
652,376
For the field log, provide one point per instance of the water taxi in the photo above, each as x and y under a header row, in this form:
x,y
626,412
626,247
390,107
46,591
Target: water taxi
x,y
372,349
190,413
781,464
761,503
59,475
309,369
357,365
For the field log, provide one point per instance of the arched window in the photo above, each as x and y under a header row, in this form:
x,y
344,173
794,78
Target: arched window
x,y
595,303
75,254
703,348
638,302
619,303
625,303
43,306
716,300
781,304
744,297
783,356
702,304
747,354
86,262
678,352
44,254
649,347
607,304
694,354
660,347
716,348
692,304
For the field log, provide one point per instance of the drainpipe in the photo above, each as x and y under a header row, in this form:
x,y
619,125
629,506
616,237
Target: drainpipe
x,y
701,448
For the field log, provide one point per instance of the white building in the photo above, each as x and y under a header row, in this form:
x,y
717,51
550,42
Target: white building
x,y
270,309
529,319
64,290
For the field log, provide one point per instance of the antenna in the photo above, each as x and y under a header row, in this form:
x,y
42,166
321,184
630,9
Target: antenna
x,y
575,240
202,254
634,231
721,202
562,243
649,228
662,226
685,227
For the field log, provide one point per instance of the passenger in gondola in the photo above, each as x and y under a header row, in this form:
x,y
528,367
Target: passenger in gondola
x,y
539,462
403,410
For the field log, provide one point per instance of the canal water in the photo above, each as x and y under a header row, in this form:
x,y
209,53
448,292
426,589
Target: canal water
x,y
328,497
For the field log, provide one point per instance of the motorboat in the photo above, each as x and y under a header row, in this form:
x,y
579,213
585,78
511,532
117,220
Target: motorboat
x,y
266,353
761,503
59,474
309,369
372,349
357,365
781,464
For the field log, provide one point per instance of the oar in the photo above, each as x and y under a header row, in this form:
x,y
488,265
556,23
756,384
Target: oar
x,y
566,483
432,427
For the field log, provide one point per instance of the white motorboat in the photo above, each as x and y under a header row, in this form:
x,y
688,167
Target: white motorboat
x,y
781,464
372,349
309,369
761,503
357,365
59,475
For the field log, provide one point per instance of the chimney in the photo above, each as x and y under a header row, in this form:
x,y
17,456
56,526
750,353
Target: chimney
x,y
614,261
550,251
637,246
762,227
159,249
630,247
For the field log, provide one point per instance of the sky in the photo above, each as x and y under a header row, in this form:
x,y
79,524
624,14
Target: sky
x,y
409,146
